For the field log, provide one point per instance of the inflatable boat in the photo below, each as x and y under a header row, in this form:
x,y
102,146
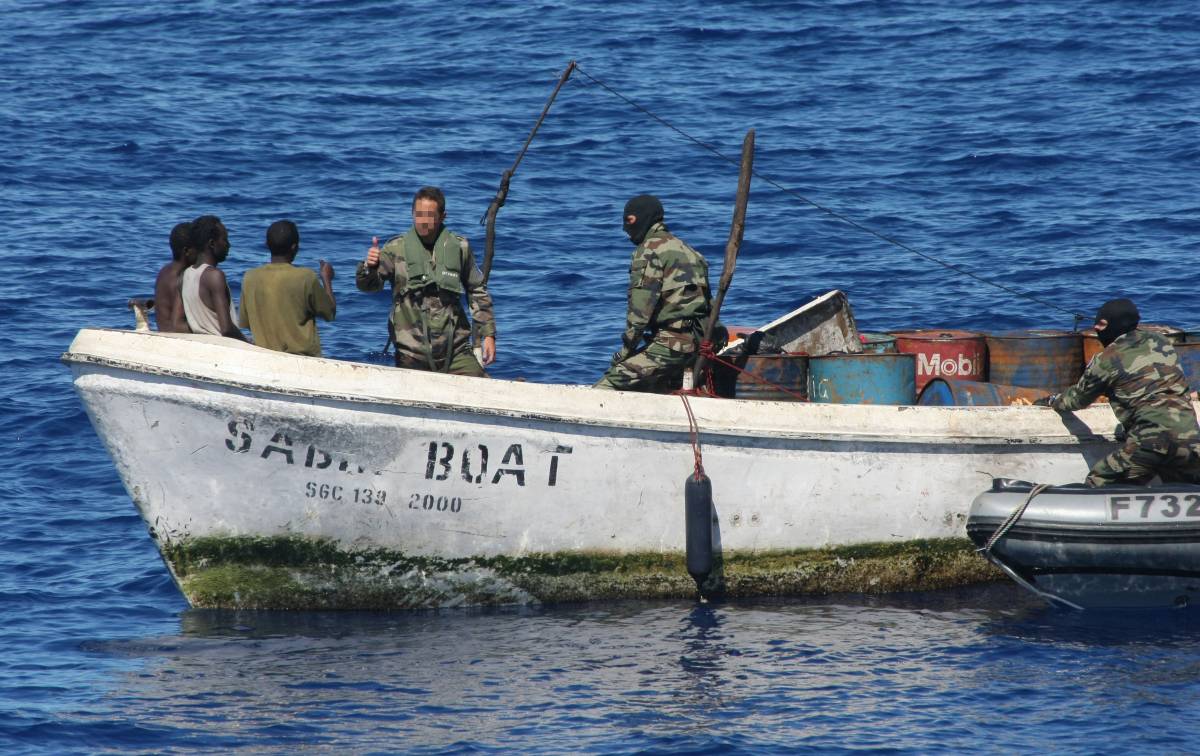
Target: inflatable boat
x,y
1111,547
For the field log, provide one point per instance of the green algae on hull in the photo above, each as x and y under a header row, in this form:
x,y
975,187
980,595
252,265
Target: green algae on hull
x,y
313,574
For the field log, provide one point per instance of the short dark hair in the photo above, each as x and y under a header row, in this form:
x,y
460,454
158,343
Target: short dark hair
x,y
180,239
282,236
431,193
205,229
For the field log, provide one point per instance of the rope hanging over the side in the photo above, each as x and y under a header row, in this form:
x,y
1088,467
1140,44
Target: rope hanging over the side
x,y
1077,317
694,430
1012,519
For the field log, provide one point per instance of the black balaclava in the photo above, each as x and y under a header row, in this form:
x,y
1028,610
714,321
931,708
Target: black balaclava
x,y
648,210
1122,316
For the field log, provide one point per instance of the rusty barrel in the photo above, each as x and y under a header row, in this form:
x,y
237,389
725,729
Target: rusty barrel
x,y
949,392
1092,346
862,378
1188,350
1035,358
774,377
943,353
878,343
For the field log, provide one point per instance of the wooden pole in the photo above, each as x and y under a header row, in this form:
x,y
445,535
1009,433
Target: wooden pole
x,y
733,245
489,218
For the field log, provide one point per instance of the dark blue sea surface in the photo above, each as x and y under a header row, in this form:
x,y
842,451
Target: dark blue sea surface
x,y
1049,147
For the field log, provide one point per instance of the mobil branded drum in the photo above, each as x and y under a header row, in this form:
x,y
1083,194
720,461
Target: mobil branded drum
x,y
960,355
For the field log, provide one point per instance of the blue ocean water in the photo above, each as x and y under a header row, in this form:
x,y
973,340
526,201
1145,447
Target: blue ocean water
x,y
1049,147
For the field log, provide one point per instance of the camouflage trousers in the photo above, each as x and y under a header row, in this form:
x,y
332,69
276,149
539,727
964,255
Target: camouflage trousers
x,y
1137,464
462,363
657,369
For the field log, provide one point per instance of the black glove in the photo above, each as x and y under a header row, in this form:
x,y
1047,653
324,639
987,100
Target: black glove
x,y
753,341
1046,401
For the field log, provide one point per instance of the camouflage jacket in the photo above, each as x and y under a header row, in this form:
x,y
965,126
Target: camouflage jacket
x,y
1148,391
668,283
432,311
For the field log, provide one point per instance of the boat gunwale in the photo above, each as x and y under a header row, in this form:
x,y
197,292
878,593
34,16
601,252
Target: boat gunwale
x,y
708,428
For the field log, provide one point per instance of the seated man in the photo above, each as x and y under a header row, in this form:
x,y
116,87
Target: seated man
x,y
1139,371
168,299
281,302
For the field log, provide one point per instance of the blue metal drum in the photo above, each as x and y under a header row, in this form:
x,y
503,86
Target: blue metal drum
x,y
1035,359
950,392
862,379
1189,358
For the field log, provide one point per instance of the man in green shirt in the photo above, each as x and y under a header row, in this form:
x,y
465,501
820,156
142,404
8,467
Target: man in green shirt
x,y
280,302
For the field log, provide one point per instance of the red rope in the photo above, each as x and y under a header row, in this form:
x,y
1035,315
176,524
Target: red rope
x,y
709,390
707,352
694,430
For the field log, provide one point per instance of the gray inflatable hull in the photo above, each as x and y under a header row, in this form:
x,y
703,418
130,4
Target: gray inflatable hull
x,y
1112,547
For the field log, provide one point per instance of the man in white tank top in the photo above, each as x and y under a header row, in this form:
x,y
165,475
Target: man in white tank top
x,y
206,299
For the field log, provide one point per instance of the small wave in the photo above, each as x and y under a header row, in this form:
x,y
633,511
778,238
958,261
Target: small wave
x,y
1008,160
566,280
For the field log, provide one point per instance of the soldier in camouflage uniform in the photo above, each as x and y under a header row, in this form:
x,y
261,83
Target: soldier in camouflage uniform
x,y
430,268
668,305
1139,371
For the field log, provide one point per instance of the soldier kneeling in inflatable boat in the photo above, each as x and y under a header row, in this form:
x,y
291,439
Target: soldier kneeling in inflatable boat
x,y
1139,371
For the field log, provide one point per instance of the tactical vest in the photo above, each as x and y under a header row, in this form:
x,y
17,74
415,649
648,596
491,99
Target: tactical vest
x,y
443,269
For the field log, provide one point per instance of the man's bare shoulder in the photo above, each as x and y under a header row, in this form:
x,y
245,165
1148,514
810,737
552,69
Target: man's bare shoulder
x,y
168,272
212,275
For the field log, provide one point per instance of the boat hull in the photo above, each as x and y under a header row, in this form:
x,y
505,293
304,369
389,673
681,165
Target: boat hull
x,y
279,481
1116,547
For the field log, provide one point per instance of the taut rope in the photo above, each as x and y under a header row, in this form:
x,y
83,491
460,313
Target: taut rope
x,y
1077,317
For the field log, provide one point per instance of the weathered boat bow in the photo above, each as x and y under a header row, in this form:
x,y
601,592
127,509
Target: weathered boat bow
x,y
277,481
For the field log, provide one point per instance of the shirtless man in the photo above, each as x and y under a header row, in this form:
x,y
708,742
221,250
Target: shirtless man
x,y
206,300
168,300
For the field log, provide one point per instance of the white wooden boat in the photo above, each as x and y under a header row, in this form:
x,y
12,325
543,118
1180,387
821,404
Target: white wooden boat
x,y
276,481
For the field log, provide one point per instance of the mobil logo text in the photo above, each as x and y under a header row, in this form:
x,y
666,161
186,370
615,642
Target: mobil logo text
x,y
951,365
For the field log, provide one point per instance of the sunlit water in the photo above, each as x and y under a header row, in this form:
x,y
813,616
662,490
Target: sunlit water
x,y
1048,147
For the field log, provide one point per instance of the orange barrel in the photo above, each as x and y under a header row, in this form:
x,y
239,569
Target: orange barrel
x,y
945,354
739,332
1035,359
1092,347
1189,358
862,378
878,343
948,392
774,377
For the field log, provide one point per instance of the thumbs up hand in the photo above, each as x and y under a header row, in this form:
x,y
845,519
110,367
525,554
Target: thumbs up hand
x,y
373,253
